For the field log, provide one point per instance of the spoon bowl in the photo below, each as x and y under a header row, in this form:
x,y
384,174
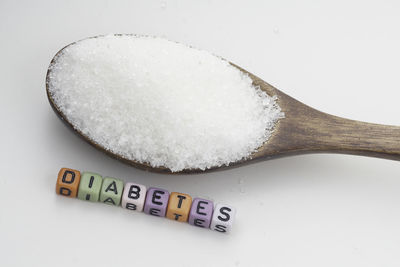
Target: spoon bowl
x,y
303,130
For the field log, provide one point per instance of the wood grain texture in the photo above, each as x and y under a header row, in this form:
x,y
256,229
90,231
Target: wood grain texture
x,y
303,130
307,130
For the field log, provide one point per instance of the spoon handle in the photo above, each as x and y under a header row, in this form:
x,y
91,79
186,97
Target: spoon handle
x,y
360,138
315,131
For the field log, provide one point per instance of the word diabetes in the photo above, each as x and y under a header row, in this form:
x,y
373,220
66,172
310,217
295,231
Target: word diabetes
x,y
159,202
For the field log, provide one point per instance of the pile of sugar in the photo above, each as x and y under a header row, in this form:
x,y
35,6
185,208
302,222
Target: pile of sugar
x,y
159,102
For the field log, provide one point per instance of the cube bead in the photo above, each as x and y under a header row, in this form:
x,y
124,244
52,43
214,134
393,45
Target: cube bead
x,y
223,218
201,212
68,182
156,201
111,191
134,196
179,207
90,186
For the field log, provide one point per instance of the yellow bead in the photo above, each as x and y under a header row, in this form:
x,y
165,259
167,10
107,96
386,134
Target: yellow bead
x,y
179,207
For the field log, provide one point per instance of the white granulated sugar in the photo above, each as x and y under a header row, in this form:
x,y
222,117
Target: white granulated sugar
x,y
159,102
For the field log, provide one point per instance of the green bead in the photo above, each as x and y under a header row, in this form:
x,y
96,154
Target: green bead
x,y
111,191
90,186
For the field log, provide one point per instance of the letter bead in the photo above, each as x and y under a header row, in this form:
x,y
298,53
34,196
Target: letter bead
x,y
68,182
111,191
179,207
223,218
156,202
134,196
201,212
90,186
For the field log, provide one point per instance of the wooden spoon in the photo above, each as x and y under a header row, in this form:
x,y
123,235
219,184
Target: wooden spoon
x,y
303,130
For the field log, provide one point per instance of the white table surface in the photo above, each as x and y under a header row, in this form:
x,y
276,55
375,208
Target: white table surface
x,y
341,57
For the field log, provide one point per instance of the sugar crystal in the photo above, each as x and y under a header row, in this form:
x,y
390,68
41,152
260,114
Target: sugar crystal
x,y
159,102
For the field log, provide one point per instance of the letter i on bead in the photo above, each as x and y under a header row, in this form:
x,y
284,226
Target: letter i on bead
x,y
90,186
156,201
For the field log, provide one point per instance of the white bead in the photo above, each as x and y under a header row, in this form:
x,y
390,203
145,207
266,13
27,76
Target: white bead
x,y
223,218
133,196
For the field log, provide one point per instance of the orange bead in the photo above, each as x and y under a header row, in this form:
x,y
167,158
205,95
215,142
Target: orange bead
x,y
68,182
179,207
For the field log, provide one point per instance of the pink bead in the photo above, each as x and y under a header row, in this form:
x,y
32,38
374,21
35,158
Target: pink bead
x,y
133,196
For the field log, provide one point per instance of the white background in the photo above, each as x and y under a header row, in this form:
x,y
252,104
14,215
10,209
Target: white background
x,y
341,57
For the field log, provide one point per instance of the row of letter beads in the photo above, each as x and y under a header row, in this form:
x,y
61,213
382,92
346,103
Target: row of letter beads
x,y
154,201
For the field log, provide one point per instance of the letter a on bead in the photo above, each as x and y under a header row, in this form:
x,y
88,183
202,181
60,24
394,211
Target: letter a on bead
x,y
111,191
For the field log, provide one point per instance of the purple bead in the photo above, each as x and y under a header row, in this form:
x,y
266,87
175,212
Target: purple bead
x,y
156,202
201,212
